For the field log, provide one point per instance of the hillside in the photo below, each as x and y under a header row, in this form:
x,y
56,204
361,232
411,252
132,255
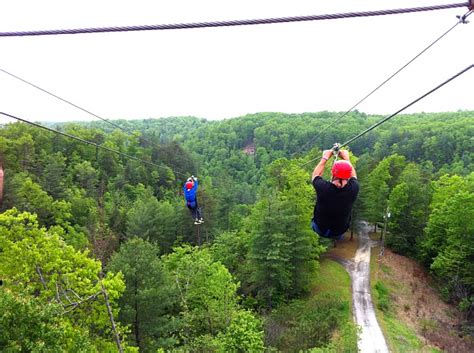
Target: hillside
x,y
416,319
414,302
99,248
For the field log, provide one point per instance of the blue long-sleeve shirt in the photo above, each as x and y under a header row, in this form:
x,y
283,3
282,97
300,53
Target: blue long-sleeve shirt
x,y
190,195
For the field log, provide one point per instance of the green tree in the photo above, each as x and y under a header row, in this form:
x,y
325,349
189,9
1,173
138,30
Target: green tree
x,y
150,296
36,262
153,220
142,217
207,292
86,177
408,203
454,220
231,249
380,182
27,195
244,334
29,325
283,248
436,233
53,178
269,254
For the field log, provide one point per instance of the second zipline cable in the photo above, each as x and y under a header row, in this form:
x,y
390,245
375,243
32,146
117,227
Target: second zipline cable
x,y
399,111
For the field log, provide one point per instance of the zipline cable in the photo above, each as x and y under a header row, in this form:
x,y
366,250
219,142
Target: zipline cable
x,y
399,111
88,142
128,131
461,19
70,103
234,22
407,106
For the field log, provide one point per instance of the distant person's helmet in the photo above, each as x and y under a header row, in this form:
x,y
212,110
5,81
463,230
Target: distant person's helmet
x,y
189,185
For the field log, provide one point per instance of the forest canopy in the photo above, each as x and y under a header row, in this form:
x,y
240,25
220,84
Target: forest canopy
x,y
97,248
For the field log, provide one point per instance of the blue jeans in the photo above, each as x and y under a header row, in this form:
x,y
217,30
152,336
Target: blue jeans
x,y
327,234
195,209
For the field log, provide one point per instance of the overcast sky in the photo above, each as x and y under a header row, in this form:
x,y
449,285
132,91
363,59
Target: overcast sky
x,y
217,73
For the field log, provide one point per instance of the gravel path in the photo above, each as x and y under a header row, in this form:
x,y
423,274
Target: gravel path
x,y
371,338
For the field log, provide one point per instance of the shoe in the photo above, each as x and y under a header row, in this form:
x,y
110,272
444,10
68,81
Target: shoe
x,y
197,222
201,220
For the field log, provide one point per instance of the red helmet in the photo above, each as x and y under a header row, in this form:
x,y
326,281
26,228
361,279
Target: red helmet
x,y
342,170
189,185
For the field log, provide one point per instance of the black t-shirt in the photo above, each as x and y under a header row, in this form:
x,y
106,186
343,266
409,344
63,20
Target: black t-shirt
x,y
333,205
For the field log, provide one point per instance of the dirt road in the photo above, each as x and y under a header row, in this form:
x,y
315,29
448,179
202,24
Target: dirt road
x,y
371,338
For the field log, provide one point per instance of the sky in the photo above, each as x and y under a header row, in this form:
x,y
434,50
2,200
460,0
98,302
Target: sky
x,y
220,73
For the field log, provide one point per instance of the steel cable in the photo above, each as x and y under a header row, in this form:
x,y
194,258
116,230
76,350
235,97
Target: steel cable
x,y
398,111
88,142
124,129
462,19
233,22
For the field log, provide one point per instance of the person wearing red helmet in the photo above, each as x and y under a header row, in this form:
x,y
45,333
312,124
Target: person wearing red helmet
x,y
334,198
190,194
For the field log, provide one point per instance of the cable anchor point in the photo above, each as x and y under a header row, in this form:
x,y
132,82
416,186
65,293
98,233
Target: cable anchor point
x,y
463,19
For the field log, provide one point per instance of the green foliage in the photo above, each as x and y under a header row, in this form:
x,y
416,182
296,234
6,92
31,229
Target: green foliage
x,y
37,262
401,338
244,334
283,249
257,204
231,249
448,245
26,195
86,177
207,292
29,325
150,297
383,296
209,316
53,177
153,220
408,204
304,325
378,186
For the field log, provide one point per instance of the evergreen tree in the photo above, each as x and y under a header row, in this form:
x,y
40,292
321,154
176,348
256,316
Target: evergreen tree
x,y
149,300
408,204
378,186
283,249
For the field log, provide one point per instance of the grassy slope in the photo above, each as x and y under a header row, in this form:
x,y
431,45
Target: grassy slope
x,y
415,318
331,280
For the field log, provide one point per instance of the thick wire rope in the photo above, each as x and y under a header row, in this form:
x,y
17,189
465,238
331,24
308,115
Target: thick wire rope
x,y
89,142
406,106
398,111
234,22
70,103
128,131
462,19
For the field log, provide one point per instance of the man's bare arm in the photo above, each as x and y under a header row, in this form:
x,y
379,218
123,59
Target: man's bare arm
x,y
344,154
319,169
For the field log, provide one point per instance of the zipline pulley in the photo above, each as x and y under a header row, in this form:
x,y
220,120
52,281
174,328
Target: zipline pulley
x,y
335,150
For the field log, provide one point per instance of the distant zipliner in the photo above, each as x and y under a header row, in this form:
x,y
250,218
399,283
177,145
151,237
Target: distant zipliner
x,y
335,198
190,194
